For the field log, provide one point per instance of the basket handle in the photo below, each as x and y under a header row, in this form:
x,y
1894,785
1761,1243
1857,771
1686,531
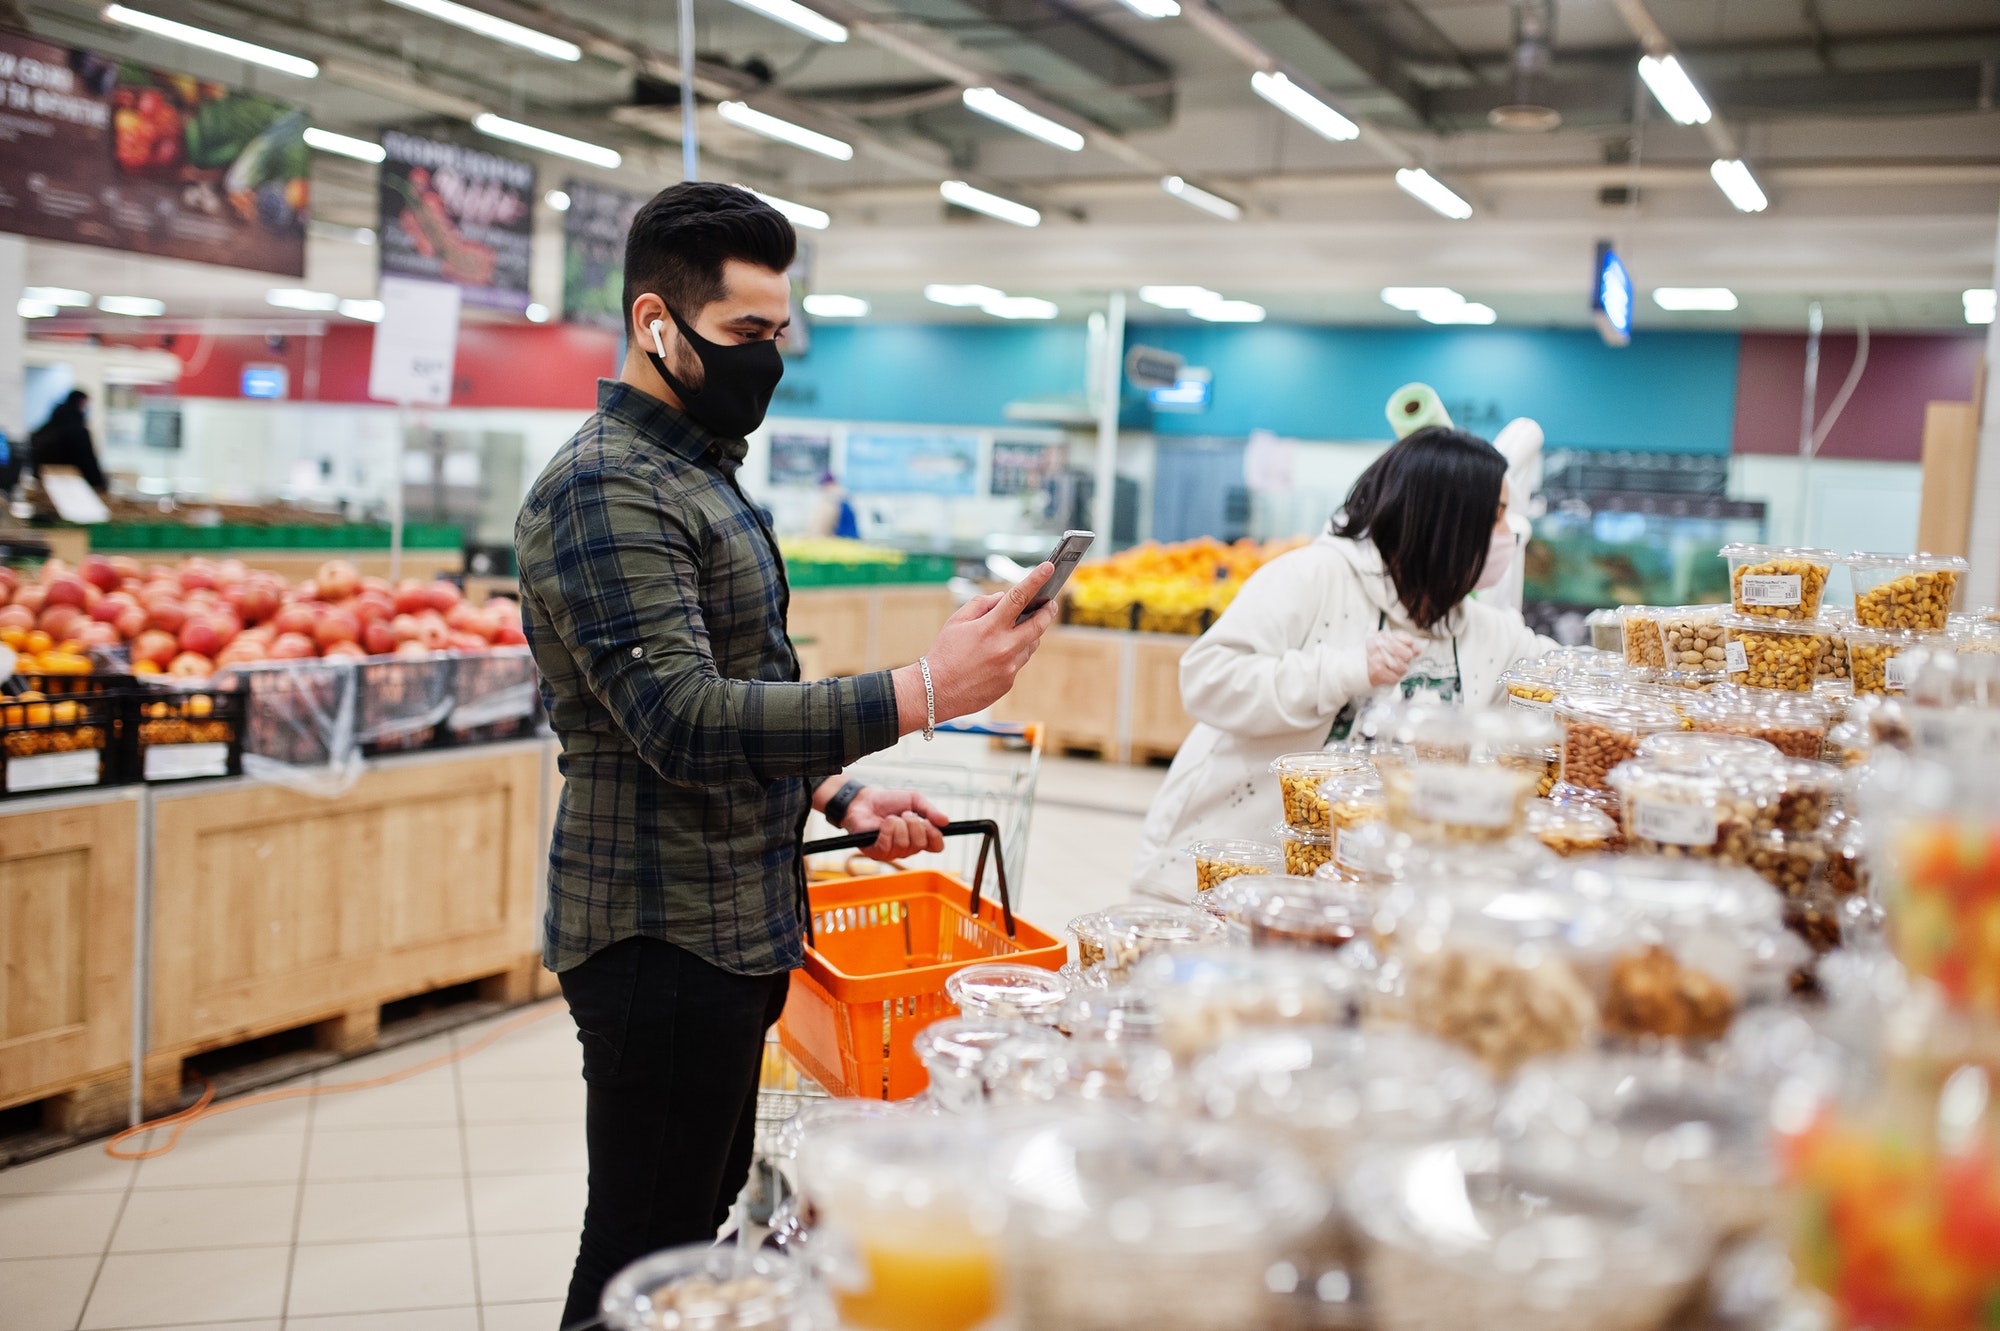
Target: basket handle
x,y
989,845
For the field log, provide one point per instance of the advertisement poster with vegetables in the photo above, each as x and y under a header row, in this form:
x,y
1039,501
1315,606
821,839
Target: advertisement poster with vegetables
x,y
100,152
594,231
456,214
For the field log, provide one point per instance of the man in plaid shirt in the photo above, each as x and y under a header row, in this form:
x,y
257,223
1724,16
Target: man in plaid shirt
x,y
654,598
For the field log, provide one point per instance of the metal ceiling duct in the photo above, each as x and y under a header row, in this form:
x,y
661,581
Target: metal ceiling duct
x,y
1534,49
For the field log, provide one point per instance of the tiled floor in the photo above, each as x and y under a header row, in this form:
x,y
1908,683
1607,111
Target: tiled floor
x,y
446,1202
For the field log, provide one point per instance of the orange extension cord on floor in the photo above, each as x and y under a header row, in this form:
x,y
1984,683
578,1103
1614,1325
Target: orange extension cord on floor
x,y
205,1107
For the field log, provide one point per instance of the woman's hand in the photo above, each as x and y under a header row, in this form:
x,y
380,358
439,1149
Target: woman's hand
x,y
1389,655
904,822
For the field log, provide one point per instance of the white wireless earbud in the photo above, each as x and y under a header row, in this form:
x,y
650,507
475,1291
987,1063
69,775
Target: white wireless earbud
x,y
658,345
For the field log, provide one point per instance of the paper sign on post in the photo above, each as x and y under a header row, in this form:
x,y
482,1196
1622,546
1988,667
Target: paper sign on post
x,y
416,344
72,497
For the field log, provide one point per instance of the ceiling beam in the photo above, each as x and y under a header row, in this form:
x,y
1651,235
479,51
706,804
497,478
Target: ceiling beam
x,y
1095,51
1356,41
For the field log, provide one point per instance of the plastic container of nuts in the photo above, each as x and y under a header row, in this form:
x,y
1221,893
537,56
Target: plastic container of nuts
x,y
1572,829
702,1287
1777,654
1304,851
1007,990
1443,801
974,1061
1641,636
1530,686
1777,581
1300,775
1606,630
1693,638
1913,592
1363,854
1795,724
1305,912
1118,937
1694,812
1204,996
1601,732
1702,750
1216,861
1461,1234
1874,655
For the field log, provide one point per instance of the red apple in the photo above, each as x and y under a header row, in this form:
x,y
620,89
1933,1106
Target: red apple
x,y
413,649
233,572
296,618
191,665
99,573
378,638
292,647
243,651
338,579
16,617
346,651
467,642
32,598
407,628
60,621
375,605
263,635
459,618
108,608
155,646
371,583
411,597
130,621
442,595
66,589
510,635
199,574
201,636
432,632
96,633
336,625
165,615
260,600
304,591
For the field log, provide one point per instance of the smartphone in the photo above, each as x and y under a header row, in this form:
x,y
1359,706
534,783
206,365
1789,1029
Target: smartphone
x,y
1066,556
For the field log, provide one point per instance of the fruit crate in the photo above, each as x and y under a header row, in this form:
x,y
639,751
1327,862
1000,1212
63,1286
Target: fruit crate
x,y
60,732
497,696
298,713
177,733
403,702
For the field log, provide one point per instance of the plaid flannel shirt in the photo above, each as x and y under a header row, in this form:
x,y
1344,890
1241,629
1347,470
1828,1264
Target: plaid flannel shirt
x,y
654,598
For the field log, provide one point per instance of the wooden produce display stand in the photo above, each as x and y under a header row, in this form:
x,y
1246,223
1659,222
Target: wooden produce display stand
x,y
852,630
1109,691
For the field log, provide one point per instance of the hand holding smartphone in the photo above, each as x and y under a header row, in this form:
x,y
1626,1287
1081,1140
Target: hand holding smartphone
x,y
1066,556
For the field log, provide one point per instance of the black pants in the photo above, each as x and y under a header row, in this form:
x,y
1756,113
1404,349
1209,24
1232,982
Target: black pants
x,y
672,1046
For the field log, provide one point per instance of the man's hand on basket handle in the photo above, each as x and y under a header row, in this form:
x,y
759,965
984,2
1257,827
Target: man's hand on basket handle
x,y
905,823
977,653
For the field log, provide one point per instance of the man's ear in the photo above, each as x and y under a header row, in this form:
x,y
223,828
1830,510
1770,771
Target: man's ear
x,y
645,310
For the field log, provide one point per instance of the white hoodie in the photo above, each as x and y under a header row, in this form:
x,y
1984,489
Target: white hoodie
x,y
1273,673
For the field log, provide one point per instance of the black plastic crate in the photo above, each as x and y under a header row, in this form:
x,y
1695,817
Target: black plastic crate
x,y
403,701
299,713
497,696
61,732
177,733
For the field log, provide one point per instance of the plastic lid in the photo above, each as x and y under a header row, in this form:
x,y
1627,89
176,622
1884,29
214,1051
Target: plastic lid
x,y
1666,889
1692,614
1917,563
1238,852
1007,989
1322,761
1203,995
1117,1070
1574,822
1899,639
1701,750
1626,714
1746,550
972,1060
1109,1012
1739,700
1426,731
820,1114
706,1288
1305,912
1228,899
1798,628
1149,922
1305,836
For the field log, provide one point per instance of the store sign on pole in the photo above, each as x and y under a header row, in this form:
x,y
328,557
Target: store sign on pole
x,y
96,151
455,214
594,231
1149,367
1611,297
416,344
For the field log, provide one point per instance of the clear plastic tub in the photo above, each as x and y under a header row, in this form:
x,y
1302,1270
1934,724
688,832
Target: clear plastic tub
x,y
1778,581
1353,798
1216,861
1912,592
1204,997
1793,864
1700,812
1156,1223
1795,724
1300,775
1573,829
1974,634
1304,850
1693,639
1607,630
1363,855
1874,656
1533,687
1777,655
1306,913
1118,937
706,1288
1700,750
1460,1235
1113,1013
1336,1094
1641,637
976,1061
1704,1130
1432,801
1007,991
1601,732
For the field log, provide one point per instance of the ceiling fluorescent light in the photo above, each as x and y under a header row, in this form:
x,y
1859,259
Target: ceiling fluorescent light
x,y
29,308
1465,312
68,297
962,294
299,298
827,305
368,311
141,307
188,35
999,107
1020,307
1694,298
1302,106
1178,297
557,199
1154,8
979,201
1201,198
1735,180
1978,305
1420,298
798,18
491,25
546,140
798,214
361,150
1676,92
745,116
1433,193
1228,312
537,312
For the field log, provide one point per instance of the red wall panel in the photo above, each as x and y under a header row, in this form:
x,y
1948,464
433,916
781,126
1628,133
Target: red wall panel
x,y
1884,420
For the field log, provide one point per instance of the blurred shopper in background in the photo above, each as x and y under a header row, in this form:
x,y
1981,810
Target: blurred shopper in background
x,y
654,599
64,441
1379,602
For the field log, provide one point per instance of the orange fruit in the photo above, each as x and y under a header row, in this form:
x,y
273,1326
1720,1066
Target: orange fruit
x,y
39,642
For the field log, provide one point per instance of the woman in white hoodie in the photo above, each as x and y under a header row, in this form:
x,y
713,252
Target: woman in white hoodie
x,y
1381,600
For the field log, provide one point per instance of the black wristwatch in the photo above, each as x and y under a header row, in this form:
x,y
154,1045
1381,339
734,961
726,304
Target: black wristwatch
x,y
843,799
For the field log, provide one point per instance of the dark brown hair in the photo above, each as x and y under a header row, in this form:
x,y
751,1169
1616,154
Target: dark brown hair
x,y
1428,504
682,236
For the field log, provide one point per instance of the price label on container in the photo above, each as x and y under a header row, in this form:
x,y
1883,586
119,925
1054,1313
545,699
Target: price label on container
x,y
1896,673
53,771
1673,824
178,762
1343,851
1773,589
1464,796
1736,658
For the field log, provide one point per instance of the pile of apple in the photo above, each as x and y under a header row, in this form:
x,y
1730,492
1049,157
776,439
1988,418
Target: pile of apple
x,y
191,619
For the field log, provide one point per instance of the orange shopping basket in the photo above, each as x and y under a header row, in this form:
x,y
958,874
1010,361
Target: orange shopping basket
x,y
878,952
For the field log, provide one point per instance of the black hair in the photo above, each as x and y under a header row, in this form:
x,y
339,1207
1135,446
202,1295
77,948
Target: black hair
x,y
77,397
1428,504
682,236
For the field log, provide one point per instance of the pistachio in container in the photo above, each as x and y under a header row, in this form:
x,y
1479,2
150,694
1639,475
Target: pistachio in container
x,y
1912,592
1467,1233
1215,861
702,1287
1778,581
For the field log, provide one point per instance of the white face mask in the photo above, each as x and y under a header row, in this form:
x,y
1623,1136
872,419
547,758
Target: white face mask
x,y
1499,558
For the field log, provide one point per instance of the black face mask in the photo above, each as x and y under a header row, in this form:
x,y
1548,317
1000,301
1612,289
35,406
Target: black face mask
x,y
737,381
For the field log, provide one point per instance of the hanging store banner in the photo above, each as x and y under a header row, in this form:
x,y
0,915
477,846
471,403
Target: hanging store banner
x,y
594,231
99,152
456,214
